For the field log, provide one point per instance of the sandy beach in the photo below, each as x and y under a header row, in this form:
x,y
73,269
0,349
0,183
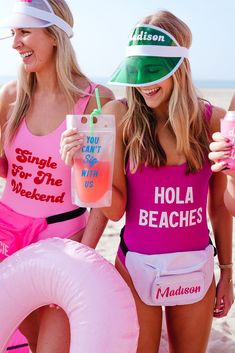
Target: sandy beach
x,y
223,332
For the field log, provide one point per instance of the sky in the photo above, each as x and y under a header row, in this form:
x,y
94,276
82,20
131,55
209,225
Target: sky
x,y
102,28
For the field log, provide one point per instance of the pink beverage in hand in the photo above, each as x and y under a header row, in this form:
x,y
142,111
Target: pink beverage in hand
x,y
227,128
92,172
91,181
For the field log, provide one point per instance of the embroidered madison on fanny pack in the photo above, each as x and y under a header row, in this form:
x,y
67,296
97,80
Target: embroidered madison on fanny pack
x,y
173,278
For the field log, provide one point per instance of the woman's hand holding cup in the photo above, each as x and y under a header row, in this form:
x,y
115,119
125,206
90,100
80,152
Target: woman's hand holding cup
x,y
221,149
70,143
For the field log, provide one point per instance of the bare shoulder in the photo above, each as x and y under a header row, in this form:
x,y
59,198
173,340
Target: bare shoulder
x,y
7,97
217,114
8,92
232,103
106,93
116,107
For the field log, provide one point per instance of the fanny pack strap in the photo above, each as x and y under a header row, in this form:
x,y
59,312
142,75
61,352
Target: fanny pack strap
x,y
123,245
61,217
125,249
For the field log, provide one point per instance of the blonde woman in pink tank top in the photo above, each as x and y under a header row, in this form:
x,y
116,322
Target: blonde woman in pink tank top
x,y
32,118
162,180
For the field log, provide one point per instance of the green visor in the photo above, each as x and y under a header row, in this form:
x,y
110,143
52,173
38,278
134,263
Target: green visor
x,y
152,56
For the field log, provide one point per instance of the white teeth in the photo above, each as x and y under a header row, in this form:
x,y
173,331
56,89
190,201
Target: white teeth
x,y
25,55
149,91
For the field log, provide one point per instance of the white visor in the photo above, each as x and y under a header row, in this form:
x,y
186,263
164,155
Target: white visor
x,y
18,20
35,14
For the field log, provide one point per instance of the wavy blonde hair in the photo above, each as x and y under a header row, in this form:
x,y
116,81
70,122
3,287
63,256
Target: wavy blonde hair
x,y
186,111
67,70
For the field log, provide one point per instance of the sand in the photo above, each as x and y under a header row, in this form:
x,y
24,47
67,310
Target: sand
x,y
222,337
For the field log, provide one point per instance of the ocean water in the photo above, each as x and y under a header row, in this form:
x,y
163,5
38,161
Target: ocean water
x,y
213,84
5,79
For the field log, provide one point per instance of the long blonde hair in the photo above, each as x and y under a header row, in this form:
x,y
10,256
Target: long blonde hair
x,y
67,70
186,120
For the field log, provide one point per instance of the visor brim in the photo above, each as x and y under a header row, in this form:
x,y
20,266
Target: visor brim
x,y
18,20
136,71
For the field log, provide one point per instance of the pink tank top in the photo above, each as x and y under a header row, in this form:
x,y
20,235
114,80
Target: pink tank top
x,y
166,210
38,183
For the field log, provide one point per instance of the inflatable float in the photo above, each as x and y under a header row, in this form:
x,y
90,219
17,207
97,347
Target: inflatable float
x,y
99,304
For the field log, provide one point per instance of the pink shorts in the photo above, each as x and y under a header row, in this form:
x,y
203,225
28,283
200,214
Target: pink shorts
x,y
18,231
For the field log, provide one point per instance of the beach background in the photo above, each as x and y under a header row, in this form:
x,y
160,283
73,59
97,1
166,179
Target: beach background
x,y
101,32
222,337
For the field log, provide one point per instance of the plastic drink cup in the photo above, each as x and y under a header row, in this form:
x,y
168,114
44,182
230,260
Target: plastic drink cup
x,y
92,171
227,128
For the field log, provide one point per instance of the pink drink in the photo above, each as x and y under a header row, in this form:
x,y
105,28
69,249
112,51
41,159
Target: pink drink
x,y
227,127
91,183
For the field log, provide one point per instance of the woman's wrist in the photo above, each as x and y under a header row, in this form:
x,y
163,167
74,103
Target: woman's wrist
x,y
231,178
226,271
228,266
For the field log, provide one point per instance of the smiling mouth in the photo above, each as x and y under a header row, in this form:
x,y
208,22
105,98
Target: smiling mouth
x,y
150,92
26,55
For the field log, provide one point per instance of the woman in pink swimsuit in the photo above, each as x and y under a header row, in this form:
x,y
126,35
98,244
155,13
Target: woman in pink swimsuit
x,y
36,203
162,145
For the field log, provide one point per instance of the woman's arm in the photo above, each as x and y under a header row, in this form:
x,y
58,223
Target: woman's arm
x,y
221,222
118,206
3,167
99,217
7,97
232,103
95,227
229,195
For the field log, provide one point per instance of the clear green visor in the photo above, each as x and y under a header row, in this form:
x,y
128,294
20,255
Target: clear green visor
x,y
144,70
152,55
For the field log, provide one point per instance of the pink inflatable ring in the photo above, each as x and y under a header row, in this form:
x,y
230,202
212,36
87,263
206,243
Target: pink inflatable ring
x,y
98,303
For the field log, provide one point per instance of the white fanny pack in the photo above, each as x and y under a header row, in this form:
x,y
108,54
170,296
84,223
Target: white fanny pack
x,y
173,278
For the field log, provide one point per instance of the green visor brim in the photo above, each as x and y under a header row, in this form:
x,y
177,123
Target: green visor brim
x,y
138,71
